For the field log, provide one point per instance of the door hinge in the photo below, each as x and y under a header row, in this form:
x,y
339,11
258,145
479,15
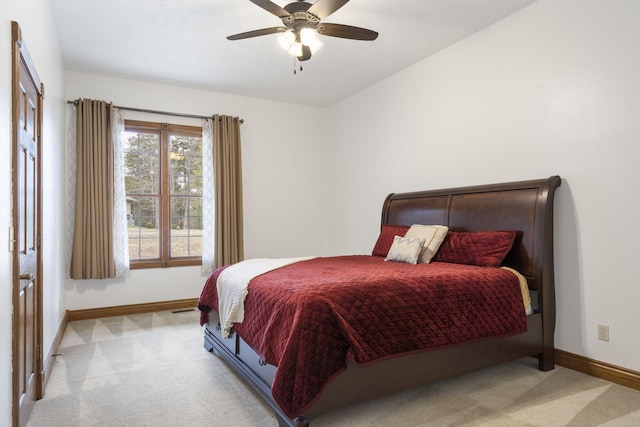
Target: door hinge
x,y
38,355
12,241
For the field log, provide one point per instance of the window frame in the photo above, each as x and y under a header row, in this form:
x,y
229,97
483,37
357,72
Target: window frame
x,y
164,132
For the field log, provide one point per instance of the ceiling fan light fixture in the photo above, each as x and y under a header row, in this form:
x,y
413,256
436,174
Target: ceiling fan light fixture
x,y
293,44
315,46
287,39
308,36
296,49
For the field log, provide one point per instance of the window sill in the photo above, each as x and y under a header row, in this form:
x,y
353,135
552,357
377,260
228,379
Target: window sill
x,y
178,262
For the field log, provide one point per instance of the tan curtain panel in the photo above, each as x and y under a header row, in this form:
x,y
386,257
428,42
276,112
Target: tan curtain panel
x,y
92,253
229,240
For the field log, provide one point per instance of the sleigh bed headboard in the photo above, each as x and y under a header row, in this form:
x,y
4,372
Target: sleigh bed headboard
x,y
525,206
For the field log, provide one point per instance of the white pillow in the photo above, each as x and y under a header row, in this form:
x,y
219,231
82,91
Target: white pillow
x,y
405,249
434,235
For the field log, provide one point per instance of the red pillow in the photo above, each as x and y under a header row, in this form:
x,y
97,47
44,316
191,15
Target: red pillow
x,y
385,239
484,248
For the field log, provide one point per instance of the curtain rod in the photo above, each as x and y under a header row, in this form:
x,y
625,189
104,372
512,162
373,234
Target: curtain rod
x,y
166,113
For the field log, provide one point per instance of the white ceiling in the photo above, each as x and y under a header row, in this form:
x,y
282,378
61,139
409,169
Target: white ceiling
x,y
183,43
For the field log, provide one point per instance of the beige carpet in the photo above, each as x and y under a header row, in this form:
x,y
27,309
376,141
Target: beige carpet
x,y
151,370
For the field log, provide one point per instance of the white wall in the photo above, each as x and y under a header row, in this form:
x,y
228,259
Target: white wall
x,y
284,179
552,89
35,19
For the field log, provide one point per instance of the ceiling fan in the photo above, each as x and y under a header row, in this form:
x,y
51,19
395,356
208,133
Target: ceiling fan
x,y
301,20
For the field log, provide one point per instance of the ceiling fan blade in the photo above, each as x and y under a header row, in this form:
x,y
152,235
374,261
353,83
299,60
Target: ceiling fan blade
x,y
346,32
256,33
324,8
270,6
306,53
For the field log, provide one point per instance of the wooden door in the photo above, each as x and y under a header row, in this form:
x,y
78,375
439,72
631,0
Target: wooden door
x,y
28,93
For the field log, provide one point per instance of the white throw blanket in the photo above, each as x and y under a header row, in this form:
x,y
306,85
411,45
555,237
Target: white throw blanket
x,y
232,287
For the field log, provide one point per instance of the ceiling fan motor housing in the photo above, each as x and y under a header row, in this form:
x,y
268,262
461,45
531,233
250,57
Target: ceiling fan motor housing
x,y
299,18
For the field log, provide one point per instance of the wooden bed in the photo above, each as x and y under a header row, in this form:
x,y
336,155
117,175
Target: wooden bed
x,y
525,207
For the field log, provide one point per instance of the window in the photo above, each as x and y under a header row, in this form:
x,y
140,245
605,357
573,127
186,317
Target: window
x,y
163,182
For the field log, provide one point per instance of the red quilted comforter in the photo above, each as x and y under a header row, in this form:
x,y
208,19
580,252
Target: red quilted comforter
x,y
309,318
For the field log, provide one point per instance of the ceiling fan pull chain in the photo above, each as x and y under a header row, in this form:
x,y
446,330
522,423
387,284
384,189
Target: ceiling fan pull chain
x,y
296,61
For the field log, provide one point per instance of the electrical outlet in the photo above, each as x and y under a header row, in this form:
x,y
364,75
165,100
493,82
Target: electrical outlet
x,y
603,332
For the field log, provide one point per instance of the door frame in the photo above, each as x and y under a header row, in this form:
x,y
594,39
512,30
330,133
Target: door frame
x,y
20,53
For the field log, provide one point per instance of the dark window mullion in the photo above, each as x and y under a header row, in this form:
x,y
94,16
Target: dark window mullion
x,y
165,194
